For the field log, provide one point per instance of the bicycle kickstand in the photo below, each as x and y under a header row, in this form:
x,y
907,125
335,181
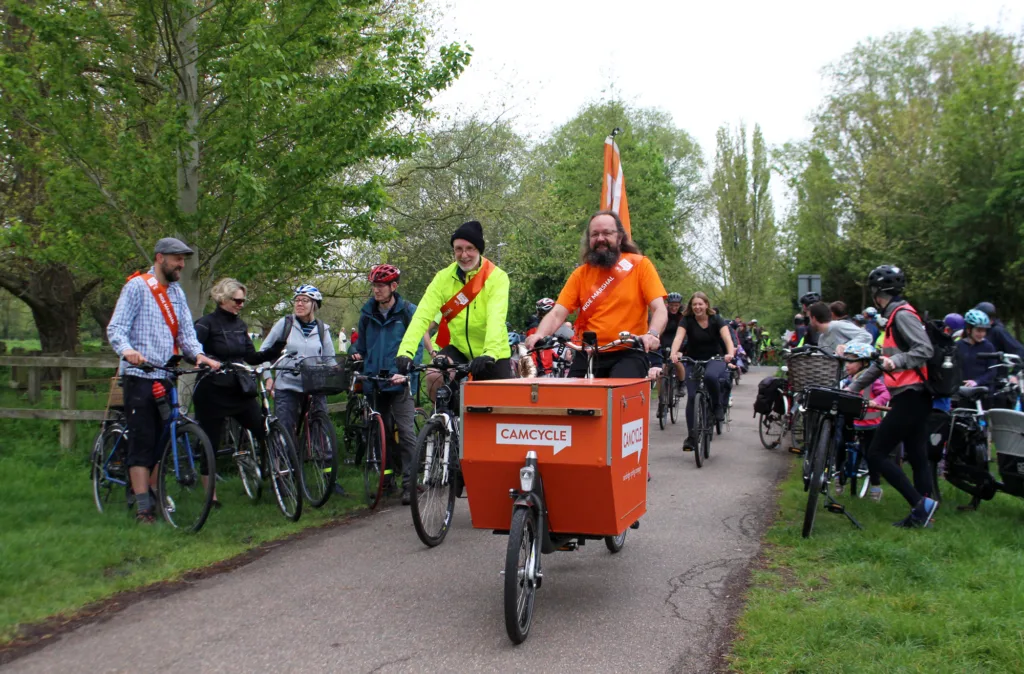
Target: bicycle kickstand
x,y
834,506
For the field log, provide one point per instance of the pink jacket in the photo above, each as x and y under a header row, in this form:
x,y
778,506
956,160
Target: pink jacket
x,y
879,395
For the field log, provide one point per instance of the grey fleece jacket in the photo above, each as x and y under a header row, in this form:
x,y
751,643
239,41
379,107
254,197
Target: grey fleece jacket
x,y
842,332
909,330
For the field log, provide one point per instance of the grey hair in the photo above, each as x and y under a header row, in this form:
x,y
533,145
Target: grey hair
x,y
225,288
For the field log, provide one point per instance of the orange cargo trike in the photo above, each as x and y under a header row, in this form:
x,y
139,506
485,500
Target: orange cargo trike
x,y
553,463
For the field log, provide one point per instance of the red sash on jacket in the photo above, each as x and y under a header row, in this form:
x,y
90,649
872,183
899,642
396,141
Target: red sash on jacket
x,y
601,290
162,301
461,300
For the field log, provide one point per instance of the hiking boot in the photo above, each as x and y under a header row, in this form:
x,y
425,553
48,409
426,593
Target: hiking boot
x,y
406,496
145,516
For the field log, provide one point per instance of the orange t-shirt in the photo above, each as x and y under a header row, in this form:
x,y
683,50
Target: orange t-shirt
x,y
625,309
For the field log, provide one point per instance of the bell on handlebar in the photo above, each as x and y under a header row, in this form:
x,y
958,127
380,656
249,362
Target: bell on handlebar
x,y
625,335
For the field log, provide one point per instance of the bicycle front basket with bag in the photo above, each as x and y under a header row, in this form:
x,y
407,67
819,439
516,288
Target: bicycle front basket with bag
x,y
850,405
811,369
322,375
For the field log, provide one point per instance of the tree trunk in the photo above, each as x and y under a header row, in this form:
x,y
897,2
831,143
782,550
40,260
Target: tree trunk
x,y
50,294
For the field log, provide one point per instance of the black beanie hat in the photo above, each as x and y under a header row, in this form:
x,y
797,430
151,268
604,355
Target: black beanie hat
x,y
470,231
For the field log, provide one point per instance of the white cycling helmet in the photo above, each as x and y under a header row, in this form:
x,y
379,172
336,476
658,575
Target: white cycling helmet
x,y
311,292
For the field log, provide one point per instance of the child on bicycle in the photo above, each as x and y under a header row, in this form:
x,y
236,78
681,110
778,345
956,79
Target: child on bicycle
x,y
858,356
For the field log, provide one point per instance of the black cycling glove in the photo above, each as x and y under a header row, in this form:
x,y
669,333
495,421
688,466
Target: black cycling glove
x,y
480,365
404,364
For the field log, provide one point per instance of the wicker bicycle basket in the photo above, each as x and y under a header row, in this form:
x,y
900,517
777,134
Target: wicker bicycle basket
x,y
811,369
322,376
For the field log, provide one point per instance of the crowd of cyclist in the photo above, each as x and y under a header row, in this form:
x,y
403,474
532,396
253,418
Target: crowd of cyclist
x,y
614,290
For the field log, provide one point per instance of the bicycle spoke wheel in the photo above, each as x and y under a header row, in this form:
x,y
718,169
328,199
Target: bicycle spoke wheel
x,y
673,408
248,463
283,471
769,428
433,499
863,477
797,430
318,449
822,452
184,493
352,434
661,410
420,419
107,467
374,461
522,560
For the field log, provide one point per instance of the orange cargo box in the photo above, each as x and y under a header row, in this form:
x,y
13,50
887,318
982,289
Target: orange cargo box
x,y
590,436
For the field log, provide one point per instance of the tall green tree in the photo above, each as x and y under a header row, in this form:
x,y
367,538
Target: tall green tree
x,y
250,129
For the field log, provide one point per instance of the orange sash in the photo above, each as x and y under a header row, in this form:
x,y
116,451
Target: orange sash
x,y
626,264
162,301
461,300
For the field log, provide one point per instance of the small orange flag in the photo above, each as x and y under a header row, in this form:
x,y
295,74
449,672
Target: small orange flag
x,y
613,187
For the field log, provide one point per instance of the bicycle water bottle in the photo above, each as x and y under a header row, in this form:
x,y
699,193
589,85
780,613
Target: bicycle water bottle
x,y
160,397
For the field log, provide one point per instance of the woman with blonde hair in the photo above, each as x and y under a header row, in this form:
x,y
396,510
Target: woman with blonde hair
x,y
228,393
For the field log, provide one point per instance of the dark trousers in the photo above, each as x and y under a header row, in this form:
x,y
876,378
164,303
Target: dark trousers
x,y
906,422
626,364
716,379
144,422
398,412
215,404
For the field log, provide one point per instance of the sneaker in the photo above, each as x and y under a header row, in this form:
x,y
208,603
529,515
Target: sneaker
x,y
923,512
905,523
720,414
406,497
875,494
145,516
838,488
688,444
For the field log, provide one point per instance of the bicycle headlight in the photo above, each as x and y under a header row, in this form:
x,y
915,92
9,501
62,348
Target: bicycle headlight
x,y
526,475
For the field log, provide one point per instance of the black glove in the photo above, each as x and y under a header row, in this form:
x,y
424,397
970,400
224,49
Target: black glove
x,y
480,365
404,364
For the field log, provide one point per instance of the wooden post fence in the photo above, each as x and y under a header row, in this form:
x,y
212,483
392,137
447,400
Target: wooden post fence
x,y
68,414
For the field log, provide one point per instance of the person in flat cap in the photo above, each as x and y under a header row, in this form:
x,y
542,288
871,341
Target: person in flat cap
x,y
471,295
151,323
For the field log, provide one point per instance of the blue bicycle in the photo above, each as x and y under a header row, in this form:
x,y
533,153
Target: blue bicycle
x,y
186,472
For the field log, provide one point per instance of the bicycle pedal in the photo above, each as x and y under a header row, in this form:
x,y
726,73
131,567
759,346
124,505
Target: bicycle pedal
x,y
836,508
796,450
568,547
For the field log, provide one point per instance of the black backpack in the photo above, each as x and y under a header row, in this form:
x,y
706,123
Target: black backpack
x,y
945,374
769,396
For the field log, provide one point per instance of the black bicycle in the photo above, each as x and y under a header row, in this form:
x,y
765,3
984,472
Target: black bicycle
x,y
703,418
438,473
669,391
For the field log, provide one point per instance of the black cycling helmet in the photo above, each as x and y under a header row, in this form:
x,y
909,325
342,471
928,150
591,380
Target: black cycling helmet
x,y
810,298
675,297
887,279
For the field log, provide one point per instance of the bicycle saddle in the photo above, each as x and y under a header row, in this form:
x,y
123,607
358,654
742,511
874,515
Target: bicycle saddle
x,y
972,393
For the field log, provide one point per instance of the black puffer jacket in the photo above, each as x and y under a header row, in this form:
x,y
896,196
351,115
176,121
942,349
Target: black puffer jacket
x,y
225,337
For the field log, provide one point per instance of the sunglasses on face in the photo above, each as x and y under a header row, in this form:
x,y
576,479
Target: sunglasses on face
x,y
239,301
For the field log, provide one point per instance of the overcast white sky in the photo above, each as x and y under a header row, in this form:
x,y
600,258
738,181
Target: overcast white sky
x,y
706,63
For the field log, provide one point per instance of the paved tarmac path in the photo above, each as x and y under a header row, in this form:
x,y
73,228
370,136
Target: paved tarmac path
x,y
369,597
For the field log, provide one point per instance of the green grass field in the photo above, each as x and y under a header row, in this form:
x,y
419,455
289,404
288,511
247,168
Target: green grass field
x,y
945,599
59,554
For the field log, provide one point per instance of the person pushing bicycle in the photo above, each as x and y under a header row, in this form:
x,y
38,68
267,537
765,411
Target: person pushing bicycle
x,y
151,323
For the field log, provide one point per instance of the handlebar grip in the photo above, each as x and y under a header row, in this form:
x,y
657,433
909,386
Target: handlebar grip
x,y
993,354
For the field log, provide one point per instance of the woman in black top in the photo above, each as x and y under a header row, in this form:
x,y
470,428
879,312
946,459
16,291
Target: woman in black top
x,y
221,395
707,336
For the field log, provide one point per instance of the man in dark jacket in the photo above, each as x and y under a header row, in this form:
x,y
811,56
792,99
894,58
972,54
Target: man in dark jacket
x,y
998,334
382,324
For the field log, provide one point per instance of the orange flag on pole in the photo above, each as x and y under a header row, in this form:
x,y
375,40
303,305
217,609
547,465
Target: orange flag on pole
x,y
613,187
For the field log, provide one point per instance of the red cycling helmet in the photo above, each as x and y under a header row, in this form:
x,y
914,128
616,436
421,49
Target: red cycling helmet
x,y
384,273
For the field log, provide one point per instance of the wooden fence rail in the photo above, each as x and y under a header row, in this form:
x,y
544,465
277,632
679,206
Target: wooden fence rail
x,y
69,367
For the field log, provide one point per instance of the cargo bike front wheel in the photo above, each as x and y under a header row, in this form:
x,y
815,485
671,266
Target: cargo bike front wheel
x,y
522,574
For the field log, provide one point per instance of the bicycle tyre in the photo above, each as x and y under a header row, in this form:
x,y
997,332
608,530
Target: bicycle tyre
x,y
521,560
673,408
700,423
283,469
616,543
419,420
807,459
319,454
432,487
822,452
110,440
661,405
374,461
798,431
352,435
933,468
770,430
178,479
708,414
248,464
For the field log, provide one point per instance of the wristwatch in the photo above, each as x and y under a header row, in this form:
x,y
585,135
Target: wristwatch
x,y
652,333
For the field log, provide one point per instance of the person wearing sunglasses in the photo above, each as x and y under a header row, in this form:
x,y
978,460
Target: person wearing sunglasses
x,y
228,393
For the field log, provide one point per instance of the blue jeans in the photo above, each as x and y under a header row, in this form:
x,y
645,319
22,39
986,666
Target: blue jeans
x,y
288,407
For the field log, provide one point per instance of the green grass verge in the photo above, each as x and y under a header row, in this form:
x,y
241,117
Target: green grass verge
x,y
945,599
58,554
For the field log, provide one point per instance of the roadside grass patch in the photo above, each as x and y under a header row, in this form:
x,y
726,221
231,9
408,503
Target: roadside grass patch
x,y
58,553
945,599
